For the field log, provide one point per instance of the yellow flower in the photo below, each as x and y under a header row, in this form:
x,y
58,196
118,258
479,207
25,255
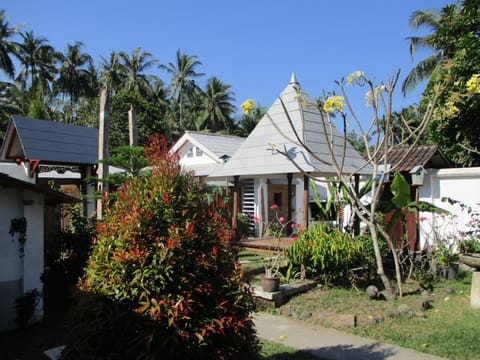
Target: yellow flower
x,y
473,85
248,106
450,109
333,104
356,76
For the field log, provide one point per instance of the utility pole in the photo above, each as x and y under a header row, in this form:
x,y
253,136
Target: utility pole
x,y
132,127
102,172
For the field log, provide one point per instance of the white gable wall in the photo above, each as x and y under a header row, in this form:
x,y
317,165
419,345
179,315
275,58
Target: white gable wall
x,y
196,158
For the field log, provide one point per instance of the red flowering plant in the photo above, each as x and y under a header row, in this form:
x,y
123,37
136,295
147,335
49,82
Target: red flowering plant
x,y
162,281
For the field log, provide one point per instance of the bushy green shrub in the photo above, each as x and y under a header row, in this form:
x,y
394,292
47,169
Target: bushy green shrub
x,y
162,282
322,249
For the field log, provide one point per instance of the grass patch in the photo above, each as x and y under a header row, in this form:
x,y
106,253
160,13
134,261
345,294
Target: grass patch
x,y
449,329
275,351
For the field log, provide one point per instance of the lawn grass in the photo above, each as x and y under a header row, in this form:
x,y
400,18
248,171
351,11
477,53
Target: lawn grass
x,y
450,328
275,351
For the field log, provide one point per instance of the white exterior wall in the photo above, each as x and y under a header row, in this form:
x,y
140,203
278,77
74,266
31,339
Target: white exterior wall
x,y
11,263
34,247
461,184
20,274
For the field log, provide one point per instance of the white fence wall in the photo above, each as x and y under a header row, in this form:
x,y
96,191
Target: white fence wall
x,y
460,184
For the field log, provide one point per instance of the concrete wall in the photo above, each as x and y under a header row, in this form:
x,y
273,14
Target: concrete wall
x,y
461,184
11,263
19,274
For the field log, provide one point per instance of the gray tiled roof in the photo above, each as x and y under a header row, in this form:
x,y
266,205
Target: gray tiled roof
x,y
255,157
217,144
50,142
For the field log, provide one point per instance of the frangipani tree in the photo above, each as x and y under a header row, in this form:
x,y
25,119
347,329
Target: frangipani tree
x,y
378,138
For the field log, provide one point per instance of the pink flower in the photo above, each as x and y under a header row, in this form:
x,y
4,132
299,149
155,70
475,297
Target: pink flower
x,y
281,219
274,206
256,219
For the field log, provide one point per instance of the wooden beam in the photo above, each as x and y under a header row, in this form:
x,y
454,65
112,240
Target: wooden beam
x,y
33,167
236,183
305,200
289,202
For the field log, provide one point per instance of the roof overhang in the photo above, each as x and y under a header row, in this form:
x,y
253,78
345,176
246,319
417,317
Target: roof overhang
x,y
51,196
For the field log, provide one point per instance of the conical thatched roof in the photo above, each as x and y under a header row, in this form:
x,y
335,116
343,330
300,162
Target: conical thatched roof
x,y
256,156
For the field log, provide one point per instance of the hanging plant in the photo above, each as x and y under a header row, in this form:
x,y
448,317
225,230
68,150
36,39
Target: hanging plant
x,y
19,225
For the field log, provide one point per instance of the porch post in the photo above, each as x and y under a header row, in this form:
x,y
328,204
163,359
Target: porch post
x,y
289,202
305,200
356,220
236,181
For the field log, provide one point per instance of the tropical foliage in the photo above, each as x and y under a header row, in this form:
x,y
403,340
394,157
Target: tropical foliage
x,y
453,67
65,86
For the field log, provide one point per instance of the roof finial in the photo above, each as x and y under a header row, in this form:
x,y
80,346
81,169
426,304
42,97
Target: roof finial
x,y
293,79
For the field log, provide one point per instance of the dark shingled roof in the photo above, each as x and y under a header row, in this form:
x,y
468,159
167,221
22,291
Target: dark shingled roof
x,y
49,142
429,156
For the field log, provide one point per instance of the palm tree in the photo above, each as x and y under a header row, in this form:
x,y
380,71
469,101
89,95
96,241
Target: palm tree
x,y
217,107
111,73
37,60
74,77
183,80
7,47
133,71
430,19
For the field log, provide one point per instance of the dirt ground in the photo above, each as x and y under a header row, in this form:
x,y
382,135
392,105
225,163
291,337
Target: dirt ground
x,y
30,343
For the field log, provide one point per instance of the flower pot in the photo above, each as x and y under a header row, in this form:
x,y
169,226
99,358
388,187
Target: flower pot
x,y
447,272
270,283
472,260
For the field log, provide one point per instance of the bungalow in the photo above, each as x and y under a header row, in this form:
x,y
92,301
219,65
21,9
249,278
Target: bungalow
x,y
263,177
33,153
22,261
203,152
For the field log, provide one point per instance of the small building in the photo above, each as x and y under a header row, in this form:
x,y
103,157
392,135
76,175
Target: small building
x,y
263,177
21,265
203,152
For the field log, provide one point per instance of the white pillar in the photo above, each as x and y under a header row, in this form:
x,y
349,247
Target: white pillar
x,y
475,292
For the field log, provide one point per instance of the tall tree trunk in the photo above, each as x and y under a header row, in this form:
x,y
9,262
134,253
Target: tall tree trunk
x,y
102,173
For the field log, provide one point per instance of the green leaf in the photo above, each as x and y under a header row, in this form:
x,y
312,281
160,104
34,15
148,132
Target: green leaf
x,y
400,189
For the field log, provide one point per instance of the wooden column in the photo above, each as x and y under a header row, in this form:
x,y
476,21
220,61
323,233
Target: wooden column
x,y
236,183
356,220
289,202
305,200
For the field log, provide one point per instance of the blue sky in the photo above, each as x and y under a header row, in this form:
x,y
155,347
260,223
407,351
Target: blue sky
x,y
254,46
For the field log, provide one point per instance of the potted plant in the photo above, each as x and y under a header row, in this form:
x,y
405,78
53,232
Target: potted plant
x,y
276,230
271,280
447,262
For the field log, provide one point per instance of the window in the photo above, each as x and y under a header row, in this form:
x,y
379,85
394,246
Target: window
x,y
198,151
190,152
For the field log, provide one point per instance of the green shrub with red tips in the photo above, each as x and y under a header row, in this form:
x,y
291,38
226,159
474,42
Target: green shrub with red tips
x,y
162,281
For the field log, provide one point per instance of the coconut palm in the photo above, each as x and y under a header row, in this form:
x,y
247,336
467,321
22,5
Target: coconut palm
x,y
217,107
133,71
183,80
7,47
111,73
431,19
37,61
74,78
